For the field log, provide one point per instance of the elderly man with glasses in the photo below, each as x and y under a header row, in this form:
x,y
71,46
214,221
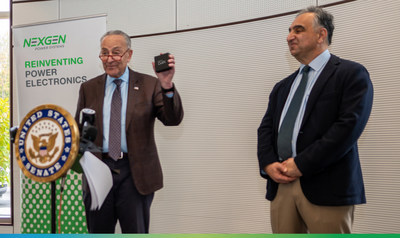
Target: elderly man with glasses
x,y
126,104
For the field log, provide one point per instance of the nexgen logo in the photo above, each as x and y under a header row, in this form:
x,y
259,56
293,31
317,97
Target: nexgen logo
x,y
45,40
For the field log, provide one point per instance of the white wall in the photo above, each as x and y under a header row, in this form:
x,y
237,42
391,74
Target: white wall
x,y
224,76
139,17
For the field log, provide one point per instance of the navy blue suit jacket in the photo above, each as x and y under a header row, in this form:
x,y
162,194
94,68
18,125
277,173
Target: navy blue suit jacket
x,y
336,113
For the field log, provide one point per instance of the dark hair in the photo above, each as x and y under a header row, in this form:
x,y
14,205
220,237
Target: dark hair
x,y
322,18
118,32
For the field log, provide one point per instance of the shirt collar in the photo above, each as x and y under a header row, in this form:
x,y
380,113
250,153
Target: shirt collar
x,y
319,61
124,77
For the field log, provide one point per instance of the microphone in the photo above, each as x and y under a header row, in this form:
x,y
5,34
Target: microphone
x,y
89,132
88,136
88,116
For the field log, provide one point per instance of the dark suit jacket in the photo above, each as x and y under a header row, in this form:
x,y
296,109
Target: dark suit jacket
x,y
145,103
337,111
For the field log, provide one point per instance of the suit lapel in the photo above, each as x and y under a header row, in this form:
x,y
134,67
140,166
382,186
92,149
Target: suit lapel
x,y
285,92
323,78
283,95
134,87
100,90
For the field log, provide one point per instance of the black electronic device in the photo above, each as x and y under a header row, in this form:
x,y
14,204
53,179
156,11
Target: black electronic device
x,y
13,133
161,62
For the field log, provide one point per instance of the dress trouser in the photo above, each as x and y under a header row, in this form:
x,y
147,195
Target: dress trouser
x,y
291,212
123,203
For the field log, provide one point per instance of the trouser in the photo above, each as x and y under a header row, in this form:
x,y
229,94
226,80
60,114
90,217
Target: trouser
x,y
123,203
291,212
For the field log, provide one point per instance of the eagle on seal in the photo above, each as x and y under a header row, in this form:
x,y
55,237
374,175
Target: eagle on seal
x,y
43,145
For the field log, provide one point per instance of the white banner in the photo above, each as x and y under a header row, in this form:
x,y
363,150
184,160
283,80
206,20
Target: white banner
x,y
51,60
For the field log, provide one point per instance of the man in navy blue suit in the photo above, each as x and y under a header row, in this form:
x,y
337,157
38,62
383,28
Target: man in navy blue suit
x,y
313,173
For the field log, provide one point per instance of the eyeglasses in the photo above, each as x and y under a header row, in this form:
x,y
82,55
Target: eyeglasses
x,y
104,57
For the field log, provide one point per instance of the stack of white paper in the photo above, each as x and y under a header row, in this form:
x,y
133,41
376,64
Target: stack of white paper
x,y
99,178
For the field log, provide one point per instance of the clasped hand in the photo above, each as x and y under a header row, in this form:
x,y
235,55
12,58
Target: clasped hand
x,y
284,172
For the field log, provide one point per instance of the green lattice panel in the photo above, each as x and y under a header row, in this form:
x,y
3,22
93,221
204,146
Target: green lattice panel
x,y
36,206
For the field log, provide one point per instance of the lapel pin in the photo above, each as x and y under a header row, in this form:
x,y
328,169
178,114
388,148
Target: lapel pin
x,y
136,88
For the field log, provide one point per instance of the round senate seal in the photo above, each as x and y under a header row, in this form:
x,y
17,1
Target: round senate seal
x,y
47,143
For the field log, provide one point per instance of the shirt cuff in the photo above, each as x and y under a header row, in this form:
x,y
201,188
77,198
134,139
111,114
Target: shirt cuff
x,y
169,92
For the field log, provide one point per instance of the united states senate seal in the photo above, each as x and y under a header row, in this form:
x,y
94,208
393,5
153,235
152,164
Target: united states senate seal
x,y
47,143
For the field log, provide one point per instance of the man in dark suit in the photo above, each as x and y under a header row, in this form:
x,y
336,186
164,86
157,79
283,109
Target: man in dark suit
x,y
136,168
307,140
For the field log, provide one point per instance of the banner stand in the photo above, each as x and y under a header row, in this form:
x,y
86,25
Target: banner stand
x,y
53,207
51,60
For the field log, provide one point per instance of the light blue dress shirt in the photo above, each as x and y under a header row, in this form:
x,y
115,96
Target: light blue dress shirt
x,y
316,67
110,87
